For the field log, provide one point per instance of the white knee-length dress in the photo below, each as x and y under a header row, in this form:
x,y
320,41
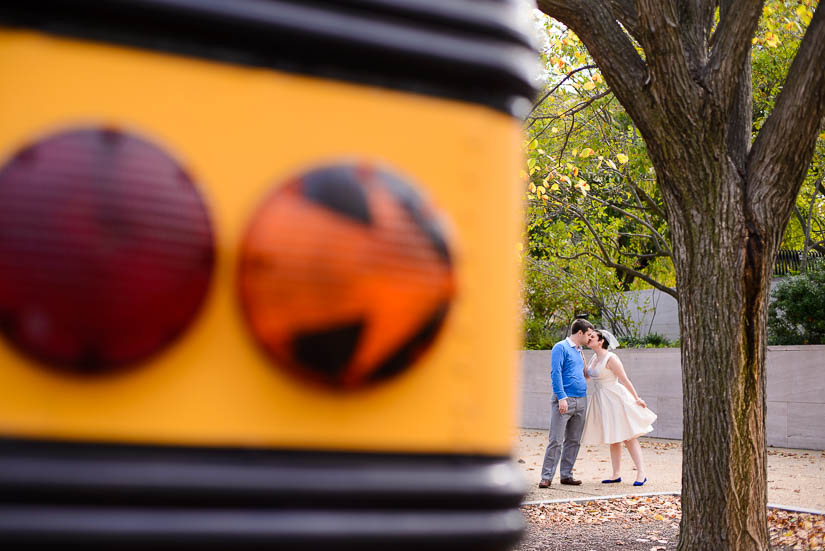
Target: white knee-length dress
x,y
612,413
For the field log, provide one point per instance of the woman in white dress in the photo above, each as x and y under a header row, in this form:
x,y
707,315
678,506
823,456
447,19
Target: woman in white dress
x,y
615,413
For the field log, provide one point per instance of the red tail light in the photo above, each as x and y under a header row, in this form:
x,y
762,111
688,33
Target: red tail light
x,y
106,250
345,275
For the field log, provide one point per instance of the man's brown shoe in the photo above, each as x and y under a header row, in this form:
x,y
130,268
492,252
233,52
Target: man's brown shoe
x,y
545,483
571,481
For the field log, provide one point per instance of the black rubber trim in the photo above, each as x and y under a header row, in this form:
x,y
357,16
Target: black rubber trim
x,y
472,50
159,528
99,495
46,472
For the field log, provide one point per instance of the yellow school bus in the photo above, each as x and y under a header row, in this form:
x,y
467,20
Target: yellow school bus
x,y
257,274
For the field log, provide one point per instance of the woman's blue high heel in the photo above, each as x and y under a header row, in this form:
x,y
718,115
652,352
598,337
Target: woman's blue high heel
x,y
612,481
642,483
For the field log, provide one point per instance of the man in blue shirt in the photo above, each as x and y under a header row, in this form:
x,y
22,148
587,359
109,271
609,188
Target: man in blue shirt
x,y
568,406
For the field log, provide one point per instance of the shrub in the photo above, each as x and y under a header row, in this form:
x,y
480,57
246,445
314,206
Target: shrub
x,y
538,336
797,313
651,340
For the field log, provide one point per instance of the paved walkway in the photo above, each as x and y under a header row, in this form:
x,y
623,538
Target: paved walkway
x,y
796,478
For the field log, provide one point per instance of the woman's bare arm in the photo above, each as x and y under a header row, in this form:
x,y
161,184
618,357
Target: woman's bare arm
x,y
615,365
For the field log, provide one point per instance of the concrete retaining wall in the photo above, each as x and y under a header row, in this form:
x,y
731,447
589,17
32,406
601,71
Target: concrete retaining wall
x,y
795,391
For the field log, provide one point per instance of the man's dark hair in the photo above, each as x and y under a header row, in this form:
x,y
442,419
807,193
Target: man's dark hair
x,y
580,325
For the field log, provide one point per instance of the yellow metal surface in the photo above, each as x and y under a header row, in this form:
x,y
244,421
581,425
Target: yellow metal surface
x,y
239,131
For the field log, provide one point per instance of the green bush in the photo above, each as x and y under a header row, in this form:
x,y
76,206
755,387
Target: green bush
x,y
538,336
797,313
651,340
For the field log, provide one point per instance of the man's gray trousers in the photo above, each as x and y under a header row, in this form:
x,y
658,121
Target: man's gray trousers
x,y
565,437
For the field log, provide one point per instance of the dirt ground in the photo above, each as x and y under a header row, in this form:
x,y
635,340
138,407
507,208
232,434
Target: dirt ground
x,y
796,478
646,518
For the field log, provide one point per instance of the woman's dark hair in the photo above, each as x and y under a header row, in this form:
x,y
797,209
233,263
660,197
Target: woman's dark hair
x,y
602,339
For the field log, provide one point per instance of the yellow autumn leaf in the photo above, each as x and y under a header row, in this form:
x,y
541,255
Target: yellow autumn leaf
x,y
755,40
611,164
622,158
771,40
564,179
804,14
589,85
532,188
541,190
575,171
597,78
554,130
554,187
586,152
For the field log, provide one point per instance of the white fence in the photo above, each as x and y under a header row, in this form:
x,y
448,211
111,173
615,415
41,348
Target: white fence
x,y
795,391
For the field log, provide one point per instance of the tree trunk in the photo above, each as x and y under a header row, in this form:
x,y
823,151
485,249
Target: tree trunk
x,y
723,326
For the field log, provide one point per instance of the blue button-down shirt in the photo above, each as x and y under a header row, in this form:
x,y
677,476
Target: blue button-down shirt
x,y
567,370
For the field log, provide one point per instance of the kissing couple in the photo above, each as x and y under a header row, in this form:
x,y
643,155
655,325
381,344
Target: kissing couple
x,y
615,413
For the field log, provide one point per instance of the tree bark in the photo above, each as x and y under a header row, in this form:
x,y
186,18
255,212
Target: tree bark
x,y
723,285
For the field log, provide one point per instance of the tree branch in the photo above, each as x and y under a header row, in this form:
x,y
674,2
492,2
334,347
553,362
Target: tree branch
x,y
696,19
637,219
657,210
562,81
809,220
661,38
605,259
643,255
738,20
567,137
595,24
785,144
625,13
644,277
631,272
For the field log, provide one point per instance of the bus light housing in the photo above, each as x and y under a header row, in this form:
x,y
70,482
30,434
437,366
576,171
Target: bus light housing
x,y
345,274
106,250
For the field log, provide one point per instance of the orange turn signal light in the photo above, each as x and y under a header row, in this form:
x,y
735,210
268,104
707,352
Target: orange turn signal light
x,y
345,275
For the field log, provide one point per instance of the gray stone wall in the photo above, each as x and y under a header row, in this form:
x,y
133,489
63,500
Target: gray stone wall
x,y
653,311
795,391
